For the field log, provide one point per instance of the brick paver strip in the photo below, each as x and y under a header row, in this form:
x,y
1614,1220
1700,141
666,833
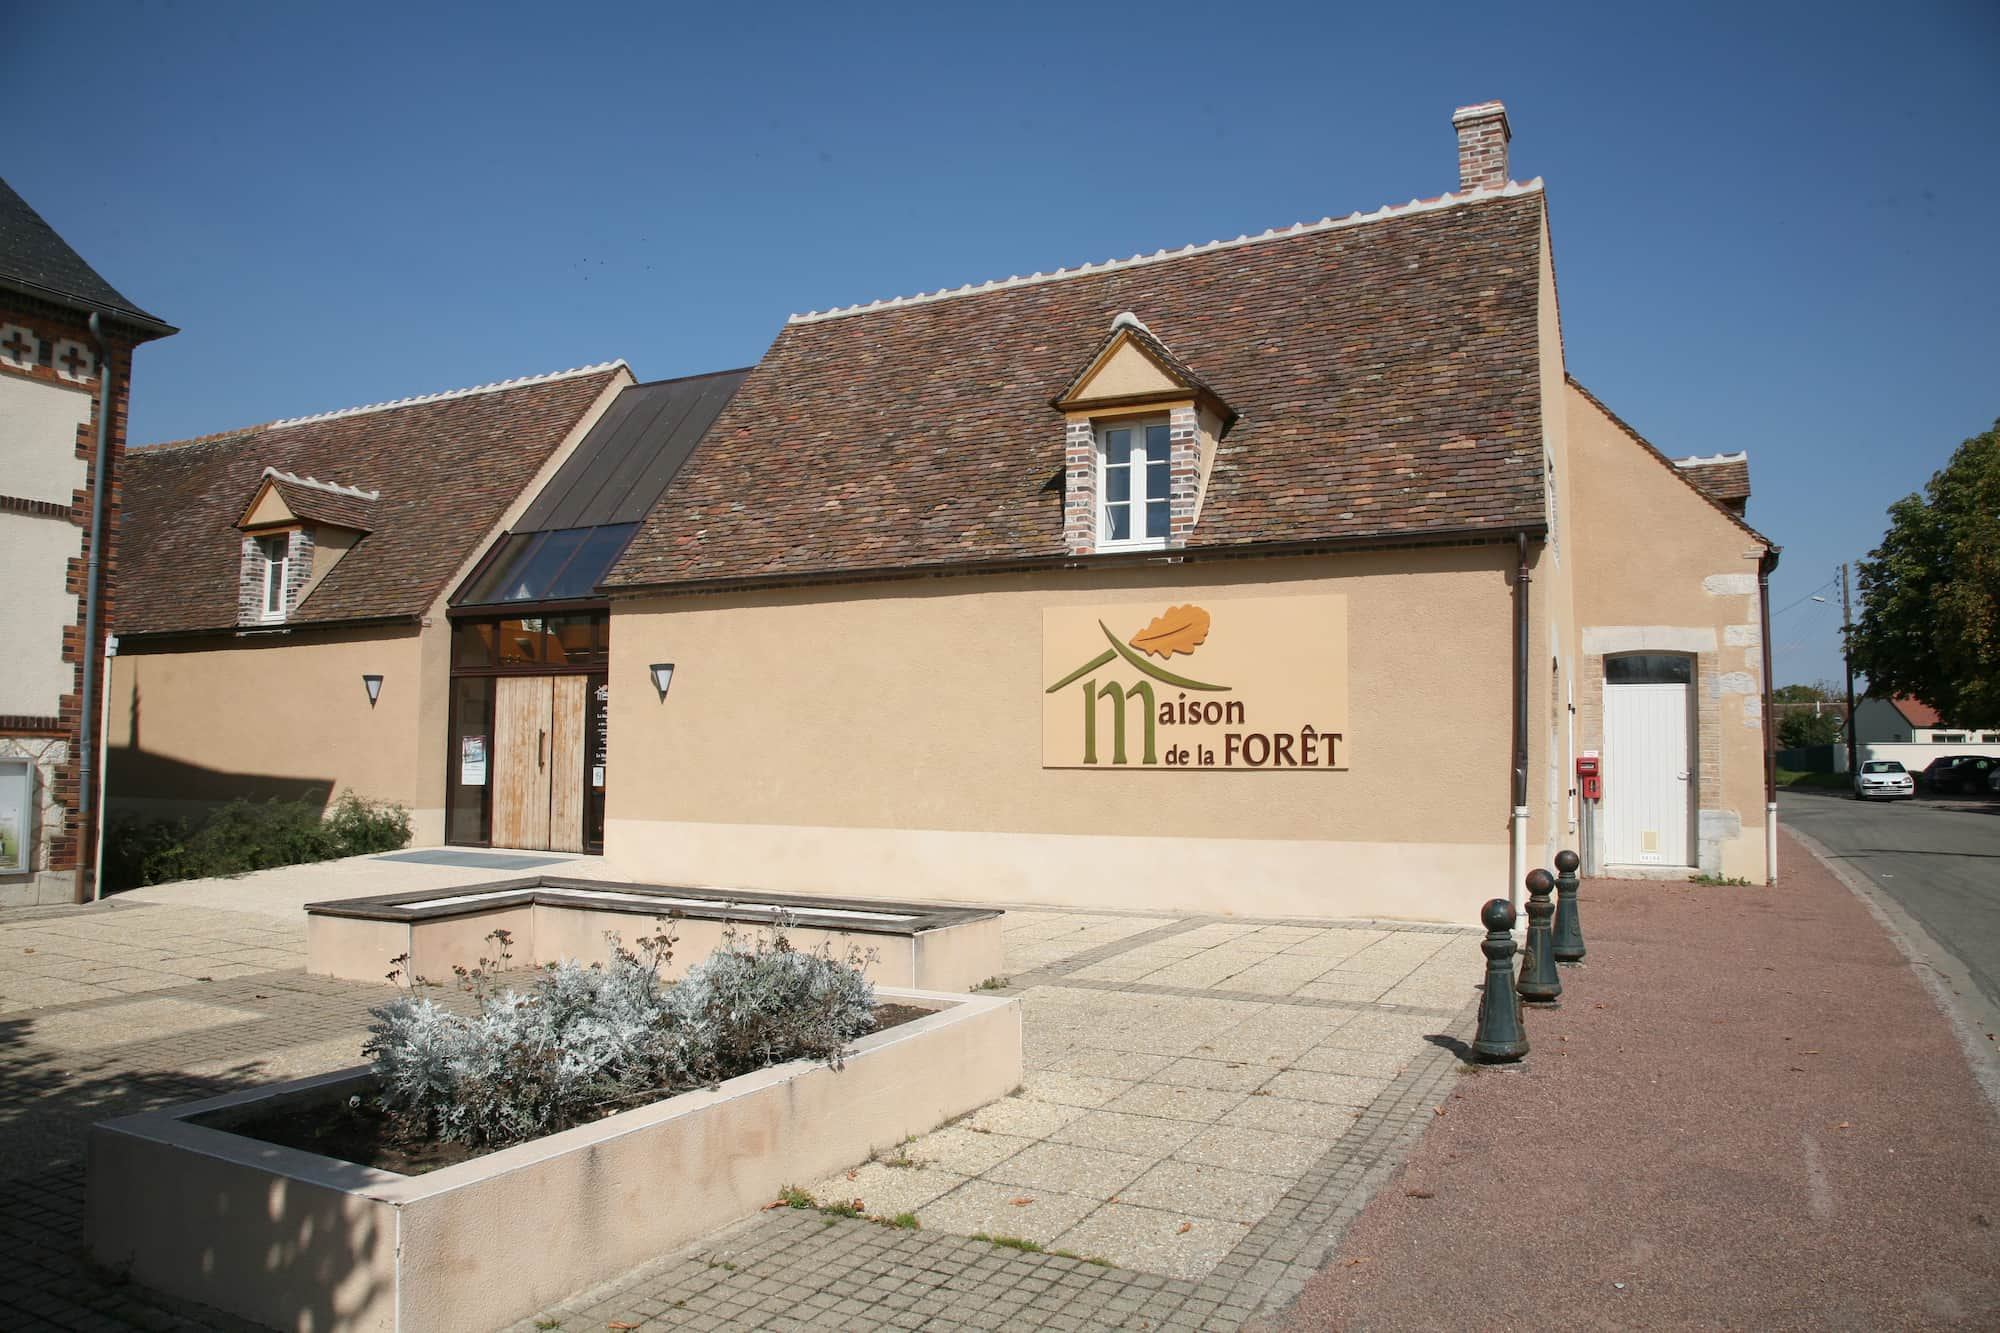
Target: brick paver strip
x,y
783,1269
1748,1113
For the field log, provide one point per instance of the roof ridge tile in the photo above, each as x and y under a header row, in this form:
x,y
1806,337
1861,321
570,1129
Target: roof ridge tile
x,y
417,400
1510,190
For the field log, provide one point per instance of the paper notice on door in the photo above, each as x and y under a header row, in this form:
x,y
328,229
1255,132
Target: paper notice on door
x,y
597,775
472,761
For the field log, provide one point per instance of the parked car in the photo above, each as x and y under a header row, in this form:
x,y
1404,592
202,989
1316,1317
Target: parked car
x,y
1883,780
1959,773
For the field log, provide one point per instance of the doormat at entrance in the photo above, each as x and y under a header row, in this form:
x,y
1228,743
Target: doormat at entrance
x,y
471,860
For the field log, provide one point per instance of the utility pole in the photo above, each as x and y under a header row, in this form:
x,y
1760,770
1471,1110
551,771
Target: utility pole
x,y
1846,627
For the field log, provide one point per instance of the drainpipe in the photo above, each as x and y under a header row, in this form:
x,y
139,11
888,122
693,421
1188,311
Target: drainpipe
x,y
1767,563
1517,856
88,729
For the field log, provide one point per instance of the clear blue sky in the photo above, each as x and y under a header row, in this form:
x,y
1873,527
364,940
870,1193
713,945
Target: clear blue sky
x,y
1774,225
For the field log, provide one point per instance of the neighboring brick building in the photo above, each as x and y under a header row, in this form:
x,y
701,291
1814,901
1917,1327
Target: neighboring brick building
x,y
60,377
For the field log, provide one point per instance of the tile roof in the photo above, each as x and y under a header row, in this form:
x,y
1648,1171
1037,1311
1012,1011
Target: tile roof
x,y
1384,366
1916,712
445,466
34,258
319,504
1724,476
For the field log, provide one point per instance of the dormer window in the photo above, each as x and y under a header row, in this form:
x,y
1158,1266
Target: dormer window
x,y
1139,438
1135,483
274,553
295,530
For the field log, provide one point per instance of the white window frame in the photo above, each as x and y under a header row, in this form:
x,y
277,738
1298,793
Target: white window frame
x,y
277,573
1137,499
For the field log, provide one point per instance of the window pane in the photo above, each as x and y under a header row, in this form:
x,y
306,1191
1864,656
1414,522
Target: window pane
x,y
1156,518
522,642
538,570
1159,481
1157,444
1649,669
578,640
471,759
500,574
592,561
1118,522
472,644
1117,484
1118,446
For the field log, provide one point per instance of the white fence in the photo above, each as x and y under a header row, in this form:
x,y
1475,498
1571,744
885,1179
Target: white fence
x,y
1913,755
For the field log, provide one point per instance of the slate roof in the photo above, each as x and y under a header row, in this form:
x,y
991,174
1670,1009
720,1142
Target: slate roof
x,y
446,467
1385,371
34,259
1724,476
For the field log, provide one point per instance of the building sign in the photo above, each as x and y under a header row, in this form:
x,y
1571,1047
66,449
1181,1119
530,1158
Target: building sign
x,y
472,761
17,807
1235,683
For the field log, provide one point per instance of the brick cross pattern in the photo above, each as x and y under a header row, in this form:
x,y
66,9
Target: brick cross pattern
x,y
18,346
76,361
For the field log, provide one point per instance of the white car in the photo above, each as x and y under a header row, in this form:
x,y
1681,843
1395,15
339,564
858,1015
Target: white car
x,y
1884,780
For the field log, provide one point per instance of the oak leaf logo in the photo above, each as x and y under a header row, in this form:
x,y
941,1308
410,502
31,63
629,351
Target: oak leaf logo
x,y
1181,630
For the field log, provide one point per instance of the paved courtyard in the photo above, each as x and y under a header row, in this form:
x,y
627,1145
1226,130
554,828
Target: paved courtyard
x,y
1208,1101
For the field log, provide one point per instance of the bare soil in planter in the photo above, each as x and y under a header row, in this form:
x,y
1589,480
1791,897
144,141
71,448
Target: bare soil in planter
x,y
359,1132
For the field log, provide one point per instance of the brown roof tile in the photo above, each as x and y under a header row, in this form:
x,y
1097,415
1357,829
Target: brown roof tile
x,y
315,505
446,467
1724,476
1385,373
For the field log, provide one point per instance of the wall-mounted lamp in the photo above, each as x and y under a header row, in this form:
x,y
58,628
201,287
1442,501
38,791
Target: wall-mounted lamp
x,y
373,684
663,676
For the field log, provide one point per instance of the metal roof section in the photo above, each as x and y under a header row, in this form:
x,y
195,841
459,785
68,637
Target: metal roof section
x,y
575,530
35,259
633,451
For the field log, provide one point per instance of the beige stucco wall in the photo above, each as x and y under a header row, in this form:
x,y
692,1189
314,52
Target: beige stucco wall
x,y
38,423
269,716
885,740
1667,570
35,553
1554,645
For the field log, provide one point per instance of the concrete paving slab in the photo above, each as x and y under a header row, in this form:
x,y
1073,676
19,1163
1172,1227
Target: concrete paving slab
x,y
1067,1167
1138,1135
991,1208
1207,1191
1154,1240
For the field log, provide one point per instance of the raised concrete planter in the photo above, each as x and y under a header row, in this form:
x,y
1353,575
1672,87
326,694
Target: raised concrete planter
x,y
925,945
298,1241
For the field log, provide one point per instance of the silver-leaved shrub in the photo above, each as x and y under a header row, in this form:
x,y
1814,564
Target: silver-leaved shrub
x,y
587,1041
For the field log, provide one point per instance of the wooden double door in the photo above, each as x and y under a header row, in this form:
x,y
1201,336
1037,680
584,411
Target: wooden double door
x,y
539,746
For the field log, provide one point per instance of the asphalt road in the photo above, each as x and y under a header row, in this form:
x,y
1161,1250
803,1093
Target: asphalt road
x,y
1939,859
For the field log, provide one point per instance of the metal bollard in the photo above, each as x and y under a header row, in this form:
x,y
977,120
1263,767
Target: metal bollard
x,y
1539,983
1568,946
1500,1036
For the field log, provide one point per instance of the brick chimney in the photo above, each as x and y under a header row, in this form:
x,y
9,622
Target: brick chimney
x,y
1482,145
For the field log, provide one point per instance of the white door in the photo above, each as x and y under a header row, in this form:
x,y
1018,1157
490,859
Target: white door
x,y
1647,776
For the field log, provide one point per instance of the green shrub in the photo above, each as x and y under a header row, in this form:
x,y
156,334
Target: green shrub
x,y
249,835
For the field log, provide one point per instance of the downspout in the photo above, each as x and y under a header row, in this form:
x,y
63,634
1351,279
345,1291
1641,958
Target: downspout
x,y
1517,855
1767,563
88,728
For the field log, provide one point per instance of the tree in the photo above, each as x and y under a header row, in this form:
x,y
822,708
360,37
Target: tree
x,y
1807,714
1930,593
